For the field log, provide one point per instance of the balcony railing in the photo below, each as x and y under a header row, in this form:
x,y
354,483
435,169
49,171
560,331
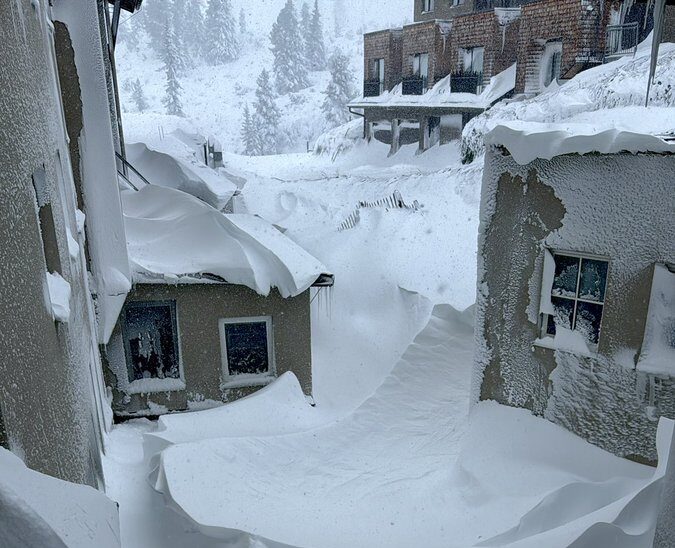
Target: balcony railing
x,y
414,85
621,40
466,82
373,88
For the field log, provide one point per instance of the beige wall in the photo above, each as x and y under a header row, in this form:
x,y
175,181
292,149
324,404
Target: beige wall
x,y
588,204
199,307
45,366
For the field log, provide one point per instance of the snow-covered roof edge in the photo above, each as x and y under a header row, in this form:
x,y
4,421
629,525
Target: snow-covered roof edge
x,y
529,141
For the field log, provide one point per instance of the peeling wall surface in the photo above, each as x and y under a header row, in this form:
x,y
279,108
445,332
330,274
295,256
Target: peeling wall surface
x,y
199,307
46,387
618,207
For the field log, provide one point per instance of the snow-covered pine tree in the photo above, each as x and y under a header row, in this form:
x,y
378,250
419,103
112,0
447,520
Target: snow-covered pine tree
x,y
190,31
138,97
338,17
305,21
315,51
249,134
173,51
290,71
243,24
339,90
172,97
220,33
154,20
267,116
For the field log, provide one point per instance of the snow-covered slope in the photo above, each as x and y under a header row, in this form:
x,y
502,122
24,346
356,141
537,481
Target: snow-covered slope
x,y
214,96
605,90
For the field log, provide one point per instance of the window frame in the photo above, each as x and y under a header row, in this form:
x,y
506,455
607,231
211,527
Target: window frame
x,y
176,383
428,6
552,50
234,381
544,316
417,71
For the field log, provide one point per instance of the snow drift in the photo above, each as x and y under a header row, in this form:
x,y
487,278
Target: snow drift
x,y
40,511
173,236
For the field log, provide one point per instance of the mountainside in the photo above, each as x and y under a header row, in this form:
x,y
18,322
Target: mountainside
x,y
214,97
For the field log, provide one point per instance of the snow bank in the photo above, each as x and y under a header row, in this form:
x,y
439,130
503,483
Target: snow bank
x,y
40,511
622,83
59,295
403,470
182,171
618,512
173,236
278,408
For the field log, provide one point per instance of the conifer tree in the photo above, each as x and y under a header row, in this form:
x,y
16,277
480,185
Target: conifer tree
x,y
173,89
190,29
154,15
267,116
305,20
249,133
220,42
243,25
138,97
338,16
173,51
315,51
339,90
290,71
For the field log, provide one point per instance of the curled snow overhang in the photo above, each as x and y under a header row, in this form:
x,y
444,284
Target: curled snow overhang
x,y
528,141
174,237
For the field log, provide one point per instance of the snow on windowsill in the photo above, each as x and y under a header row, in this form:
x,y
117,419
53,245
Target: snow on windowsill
x,y
59,295
243,381
567,340
151,386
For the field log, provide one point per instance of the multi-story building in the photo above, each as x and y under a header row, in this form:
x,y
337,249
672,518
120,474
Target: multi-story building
x,y
424,81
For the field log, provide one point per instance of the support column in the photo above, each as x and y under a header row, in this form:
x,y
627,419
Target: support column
x,y
395,136
424,135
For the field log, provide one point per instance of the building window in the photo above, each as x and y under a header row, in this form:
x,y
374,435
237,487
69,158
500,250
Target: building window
x,y
421,68
458,2
377,73
246,345
427,6
472,59
45,216
151,340
577,295
551,63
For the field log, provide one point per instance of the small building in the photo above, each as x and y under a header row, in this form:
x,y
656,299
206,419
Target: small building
x,y
220,306
576,287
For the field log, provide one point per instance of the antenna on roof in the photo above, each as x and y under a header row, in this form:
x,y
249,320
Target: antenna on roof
x,y
659,15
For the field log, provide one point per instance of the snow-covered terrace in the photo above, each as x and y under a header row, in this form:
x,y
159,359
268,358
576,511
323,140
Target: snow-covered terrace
x,y
441,97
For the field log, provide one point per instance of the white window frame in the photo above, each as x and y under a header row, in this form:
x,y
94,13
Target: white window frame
x,y
552,50
234,381
427,6
545,305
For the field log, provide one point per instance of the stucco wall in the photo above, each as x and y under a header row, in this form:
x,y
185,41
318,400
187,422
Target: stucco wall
x,y
45,388
199,307
595,205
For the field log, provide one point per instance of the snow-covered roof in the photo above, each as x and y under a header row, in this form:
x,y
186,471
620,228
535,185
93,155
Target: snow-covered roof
x,y
631,129
174,237
440,95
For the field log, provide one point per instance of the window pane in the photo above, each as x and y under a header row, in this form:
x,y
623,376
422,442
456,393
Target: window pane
x,y
566,275
151,341
593,280
588,321
247,348
564,311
